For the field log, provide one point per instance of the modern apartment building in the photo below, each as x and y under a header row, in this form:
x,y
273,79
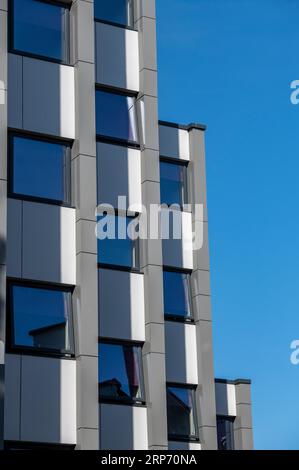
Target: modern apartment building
x,y
104,343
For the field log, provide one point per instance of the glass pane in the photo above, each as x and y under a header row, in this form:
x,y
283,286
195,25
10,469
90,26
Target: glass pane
x,y
225,433
41,318
115,11
172,183
176,294
41,169
120,372
118,251
41,28
116,116
181,412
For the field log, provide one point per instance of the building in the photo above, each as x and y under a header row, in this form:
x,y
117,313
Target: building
x,y
105,344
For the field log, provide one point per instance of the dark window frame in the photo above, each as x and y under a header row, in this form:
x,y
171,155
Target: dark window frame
x,y
118,140
35,446
136,247
139,402
184,164
11,28
183,438
31,350
118,25
10,167
178,318
231,420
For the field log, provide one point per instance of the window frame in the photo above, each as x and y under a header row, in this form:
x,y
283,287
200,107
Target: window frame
x,y
118,140
11,30
140,402
180,437
33,446
184,164
174,317
231,420
135,254
10,167
118,25
10,345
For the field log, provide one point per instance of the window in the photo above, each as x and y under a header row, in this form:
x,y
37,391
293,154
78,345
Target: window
x,y
225,432
177,294
40,28
119,12
120,372
181,413
173,183
40,169
40,319
118,249
116,116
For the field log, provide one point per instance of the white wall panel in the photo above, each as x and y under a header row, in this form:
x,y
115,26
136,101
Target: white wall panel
x,y
12,397
174,142
48,400
121,305
172,445
181,353
117,57
225,399
119,174
49,243
123,427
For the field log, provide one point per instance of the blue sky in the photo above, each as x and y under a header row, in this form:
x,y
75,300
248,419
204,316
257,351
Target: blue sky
x,y
229,64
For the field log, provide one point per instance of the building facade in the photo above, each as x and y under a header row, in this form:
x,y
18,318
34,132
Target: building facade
x,y
104,343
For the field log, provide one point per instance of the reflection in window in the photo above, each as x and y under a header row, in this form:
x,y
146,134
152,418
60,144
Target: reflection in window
x,y
40,319
225,432
181,413
41,29
173,178
40,169
118,249
115,11
120,372
116,116
177,295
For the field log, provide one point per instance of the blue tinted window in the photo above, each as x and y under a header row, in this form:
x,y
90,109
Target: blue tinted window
x,y
116,116
225,432
181,413
41,169
120,372
115,11
41,318
177,299
119,249
173,183
41,28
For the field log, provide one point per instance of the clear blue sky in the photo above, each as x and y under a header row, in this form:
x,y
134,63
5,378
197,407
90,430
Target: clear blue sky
x,y
229,64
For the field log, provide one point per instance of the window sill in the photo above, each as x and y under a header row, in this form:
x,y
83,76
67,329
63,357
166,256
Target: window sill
x,y
178,319
39,57
42,353
41,200
115,267
183,439
107,401
117,25
117,141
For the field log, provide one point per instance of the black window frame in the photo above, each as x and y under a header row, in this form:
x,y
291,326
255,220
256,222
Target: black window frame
x,y
115,24
231,420
35,446
184,164
138,402
179,437
117,140
31,350
10,167
32,55
136,249
179,318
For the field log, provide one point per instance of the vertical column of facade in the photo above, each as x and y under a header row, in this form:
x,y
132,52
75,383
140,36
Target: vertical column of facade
x,y
201,292
151,260
3,200
85,200
243,435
